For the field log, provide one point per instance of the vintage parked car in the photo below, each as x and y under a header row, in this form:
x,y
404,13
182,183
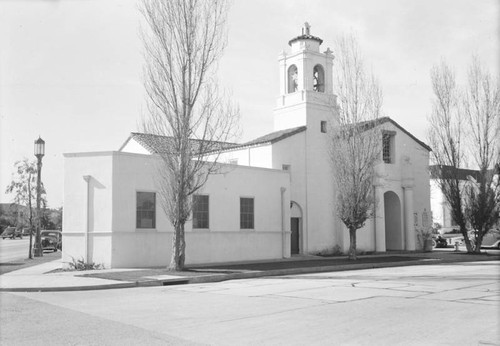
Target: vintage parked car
x,y
439,241
51,240
491,240
12,233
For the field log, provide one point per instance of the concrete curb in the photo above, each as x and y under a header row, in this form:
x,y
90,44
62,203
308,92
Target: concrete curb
x,y
241,275
70,288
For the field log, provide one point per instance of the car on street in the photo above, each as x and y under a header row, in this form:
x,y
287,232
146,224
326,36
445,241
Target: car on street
x,y
495,245
439,241
26,231
491,240
12,233
51,240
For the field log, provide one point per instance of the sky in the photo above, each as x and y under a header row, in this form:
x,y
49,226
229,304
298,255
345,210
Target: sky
x,y
71,70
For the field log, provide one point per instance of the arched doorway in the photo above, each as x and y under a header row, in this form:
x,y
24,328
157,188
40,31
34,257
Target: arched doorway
x,y
393,226
296,228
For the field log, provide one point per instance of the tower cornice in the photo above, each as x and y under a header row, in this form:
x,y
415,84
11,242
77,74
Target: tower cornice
x,y
306,35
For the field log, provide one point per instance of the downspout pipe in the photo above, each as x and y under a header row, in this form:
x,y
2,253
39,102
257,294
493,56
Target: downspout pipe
x,y
87,178
283,229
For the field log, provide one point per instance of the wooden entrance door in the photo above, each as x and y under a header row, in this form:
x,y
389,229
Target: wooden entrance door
x,y
295,223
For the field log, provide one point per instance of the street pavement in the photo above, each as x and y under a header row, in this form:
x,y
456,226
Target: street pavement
x,y
48,276
440,304
13,249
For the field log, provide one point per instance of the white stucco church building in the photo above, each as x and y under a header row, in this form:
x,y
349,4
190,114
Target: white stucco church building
x,y
273,198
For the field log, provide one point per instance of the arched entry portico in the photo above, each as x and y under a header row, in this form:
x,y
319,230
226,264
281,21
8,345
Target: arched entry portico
x,y
393,225
296,228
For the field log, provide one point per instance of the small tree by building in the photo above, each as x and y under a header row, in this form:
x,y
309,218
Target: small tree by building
x,y
23,187
183,41
355,146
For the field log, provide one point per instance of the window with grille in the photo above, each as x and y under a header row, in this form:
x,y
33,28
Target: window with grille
x,y
146,210
246,213
200,211
388,147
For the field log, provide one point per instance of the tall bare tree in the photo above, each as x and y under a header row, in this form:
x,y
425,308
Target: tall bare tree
x,y
464,130
481,107
446,139
355,146
23,186
183,41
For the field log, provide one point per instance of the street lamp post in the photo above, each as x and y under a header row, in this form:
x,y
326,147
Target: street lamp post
x,y
39,152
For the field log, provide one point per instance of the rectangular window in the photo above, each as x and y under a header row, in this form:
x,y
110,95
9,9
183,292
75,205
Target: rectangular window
x,y
388,147
200,211
246,213
285,167
323,127
146,210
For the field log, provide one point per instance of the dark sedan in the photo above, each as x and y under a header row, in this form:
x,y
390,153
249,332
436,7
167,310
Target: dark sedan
x,y
51,240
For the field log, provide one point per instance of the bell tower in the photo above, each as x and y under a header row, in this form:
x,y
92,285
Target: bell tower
x,y
306,86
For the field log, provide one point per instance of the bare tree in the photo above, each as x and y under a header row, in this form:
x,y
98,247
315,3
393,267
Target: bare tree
x,y
446,139
355,146
464,131
23,186
481,107
183,41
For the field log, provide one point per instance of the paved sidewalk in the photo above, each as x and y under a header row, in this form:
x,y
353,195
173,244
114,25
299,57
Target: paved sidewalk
x,y
40,278
46,277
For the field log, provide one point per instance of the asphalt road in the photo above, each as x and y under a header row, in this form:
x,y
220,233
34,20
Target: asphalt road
x,y
454,304
13,249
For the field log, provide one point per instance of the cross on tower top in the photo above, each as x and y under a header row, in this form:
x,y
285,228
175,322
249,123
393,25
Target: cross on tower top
x,y
307,28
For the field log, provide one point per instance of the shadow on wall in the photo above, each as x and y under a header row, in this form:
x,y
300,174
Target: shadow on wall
x,y
92,185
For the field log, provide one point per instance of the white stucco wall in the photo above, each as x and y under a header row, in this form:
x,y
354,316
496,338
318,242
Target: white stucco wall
x,y
410,171
115,241
292,151
323,227
254,156
83,192
131,146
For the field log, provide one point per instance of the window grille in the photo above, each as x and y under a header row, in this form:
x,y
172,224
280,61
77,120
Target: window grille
x,y
246,213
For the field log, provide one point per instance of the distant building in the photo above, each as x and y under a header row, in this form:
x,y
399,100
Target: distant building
x,y
274,199
441,210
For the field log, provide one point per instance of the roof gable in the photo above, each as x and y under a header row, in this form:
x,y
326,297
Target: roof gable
x,y
377,122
